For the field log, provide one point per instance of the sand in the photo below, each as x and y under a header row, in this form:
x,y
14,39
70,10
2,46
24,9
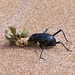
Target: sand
x,y
37,15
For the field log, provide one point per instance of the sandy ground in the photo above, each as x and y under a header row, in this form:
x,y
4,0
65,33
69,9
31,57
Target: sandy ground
x,y
37,15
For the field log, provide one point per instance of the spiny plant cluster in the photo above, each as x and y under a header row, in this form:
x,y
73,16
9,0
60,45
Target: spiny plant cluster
x,y
18,39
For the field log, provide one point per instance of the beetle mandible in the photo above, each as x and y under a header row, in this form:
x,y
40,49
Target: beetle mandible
x,y
46,39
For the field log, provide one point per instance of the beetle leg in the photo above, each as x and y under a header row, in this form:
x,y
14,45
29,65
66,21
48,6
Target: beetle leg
x,y
45,30
41,52
63,34
63,45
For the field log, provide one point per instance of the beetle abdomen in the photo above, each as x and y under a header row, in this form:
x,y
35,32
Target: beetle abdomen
x,y
39,37
44,38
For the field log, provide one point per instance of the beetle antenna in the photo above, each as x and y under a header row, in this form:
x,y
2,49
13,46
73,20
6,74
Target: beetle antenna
x,y
63,45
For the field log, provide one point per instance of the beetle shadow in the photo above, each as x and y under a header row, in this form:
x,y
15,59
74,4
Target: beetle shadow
x,y
39,48
6,46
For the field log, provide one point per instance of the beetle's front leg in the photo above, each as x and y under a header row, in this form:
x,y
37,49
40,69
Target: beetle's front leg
x,y
41,52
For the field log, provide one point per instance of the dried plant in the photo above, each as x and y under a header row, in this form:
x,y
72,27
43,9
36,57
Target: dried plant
x,y
18,39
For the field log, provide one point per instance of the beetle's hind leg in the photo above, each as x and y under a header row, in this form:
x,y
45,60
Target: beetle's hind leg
x,y
45,30
63,45
63,34
41,52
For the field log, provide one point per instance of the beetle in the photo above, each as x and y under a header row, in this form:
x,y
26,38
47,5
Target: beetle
x,y
46,39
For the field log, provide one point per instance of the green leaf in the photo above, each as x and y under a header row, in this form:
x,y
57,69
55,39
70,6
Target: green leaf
x,y
25,33
13,30
30,43
11,43
8,38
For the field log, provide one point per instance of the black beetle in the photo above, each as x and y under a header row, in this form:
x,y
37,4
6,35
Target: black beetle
x,y
46,39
